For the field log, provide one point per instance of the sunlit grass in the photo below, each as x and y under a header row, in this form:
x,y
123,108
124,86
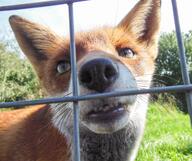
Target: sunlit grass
x,y
168,136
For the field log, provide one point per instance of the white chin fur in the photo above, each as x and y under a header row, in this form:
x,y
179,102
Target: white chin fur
x,y
107,128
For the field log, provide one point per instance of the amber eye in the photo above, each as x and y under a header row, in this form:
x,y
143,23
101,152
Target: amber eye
x,y
63,67
126,52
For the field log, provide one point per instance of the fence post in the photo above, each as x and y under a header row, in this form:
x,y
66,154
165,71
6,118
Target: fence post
x,y
76,140
184,68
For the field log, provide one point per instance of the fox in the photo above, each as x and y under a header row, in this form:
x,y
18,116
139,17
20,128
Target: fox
x,y
109,59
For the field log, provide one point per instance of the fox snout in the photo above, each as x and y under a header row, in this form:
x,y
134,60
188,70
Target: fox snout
x,y
98,74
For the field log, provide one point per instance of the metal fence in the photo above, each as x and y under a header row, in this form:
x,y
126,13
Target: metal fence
x,y
187,87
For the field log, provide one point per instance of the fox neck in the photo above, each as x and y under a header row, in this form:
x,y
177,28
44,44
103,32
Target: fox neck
x,y
107,147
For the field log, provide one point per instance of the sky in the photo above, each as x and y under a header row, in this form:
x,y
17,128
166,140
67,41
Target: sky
x,y
93,13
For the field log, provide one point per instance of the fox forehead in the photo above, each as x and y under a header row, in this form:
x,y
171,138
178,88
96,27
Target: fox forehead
x,y
103,39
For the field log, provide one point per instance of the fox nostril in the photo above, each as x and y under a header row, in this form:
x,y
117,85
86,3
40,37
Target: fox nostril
x,y
110,72
86,77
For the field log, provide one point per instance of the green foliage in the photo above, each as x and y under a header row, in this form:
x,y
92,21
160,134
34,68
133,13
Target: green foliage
x,y
17,79
168,71
167,136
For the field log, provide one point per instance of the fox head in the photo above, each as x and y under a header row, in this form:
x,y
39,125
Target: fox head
x,y
108,59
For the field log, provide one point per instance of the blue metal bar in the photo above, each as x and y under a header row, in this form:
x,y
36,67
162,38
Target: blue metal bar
x,y
37,4
178,88
76,140
184,69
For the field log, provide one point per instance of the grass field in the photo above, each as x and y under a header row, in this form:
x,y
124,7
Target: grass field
x,y
168,136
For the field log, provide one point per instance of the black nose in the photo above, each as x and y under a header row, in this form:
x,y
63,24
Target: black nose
x,y
98,74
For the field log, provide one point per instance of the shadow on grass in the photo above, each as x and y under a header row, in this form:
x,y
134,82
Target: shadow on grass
x,y
187,150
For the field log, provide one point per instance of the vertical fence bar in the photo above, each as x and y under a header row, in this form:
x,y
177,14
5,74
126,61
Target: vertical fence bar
x,y
182,56
76,141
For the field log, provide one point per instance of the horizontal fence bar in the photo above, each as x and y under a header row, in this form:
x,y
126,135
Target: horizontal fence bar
x,y
37,4
178,88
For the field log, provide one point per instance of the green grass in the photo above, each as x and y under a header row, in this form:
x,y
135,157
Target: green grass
x,y
168,136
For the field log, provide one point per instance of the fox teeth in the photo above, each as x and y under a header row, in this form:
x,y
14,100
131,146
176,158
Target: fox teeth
x,y
100,108
95,110
105,108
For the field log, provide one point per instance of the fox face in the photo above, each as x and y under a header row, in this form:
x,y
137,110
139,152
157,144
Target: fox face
x,y
109,59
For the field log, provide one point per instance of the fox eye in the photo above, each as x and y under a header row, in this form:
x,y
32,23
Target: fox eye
x,y
126,52
63,67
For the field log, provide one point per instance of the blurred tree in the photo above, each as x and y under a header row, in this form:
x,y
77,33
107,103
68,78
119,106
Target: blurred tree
x,y
168,71
17,79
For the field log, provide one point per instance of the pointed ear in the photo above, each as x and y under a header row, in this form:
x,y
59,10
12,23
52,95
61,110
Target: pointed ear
x,y
143,21
37,42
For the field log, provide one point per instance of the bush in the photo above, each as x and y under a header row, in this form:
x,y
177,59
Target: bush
x,y
168,71
17,79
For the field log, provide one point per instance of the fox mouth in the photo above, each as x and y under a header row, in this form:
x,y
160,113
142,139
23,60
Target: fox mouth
x,y
107,113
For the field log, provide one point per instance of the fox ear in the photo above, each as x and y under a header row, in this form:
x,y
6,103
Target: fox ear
x,y
37,42
143,21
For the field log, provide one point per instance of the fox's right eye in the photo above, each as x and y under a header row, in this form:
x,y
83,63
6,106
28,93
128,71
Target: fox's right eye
x,y
63,67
